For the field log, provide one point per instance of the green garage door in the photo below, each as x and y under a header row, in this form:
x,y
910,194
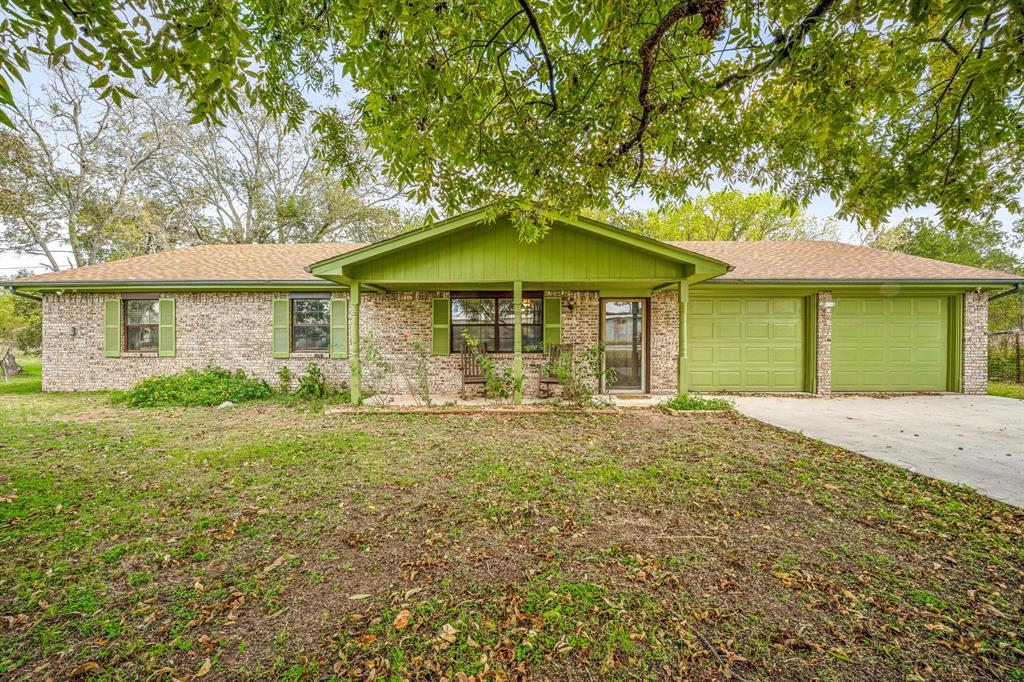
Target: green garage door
x,y
746,344
890,344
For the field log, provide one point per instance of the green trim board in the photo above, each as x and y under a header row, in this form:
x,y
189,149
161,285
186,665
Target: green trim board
x,y
955,359
896,343
575,253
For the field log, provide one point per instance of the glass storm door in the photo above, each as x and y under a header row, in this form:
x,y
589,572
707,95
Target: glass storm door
x,y
622,330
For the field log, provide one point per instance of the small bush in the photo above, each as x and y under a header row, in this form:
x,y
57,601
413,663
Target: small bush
x,y
696,402
284,379
194,388
313,383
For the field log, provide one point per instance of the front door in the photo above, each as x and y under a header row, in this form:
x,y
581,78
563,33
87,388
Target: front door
x,y
623,331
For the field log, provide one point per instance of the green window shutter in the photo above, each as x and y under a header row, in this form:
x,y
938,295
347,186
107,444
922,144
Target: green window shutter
x,y
552,321
339,328
166,338
112,328
282,338
441,315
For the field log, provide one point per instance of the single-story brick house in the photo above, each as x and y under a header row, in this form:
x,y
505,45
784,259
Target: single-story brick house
x,y
801,316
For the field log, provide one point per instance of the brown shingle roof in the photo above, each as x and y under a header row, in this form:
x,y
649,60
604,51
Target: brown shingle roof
x,y
772,260
831,261
207,263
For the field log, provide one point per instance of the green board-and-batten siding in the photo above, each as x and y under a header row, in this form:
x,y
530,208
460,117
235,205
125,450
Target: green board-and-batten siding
x,y
747,343
494,253
890,344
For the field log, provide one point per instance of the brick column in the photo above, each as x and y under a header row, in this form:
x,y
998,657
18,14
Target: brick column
x,y
975,343
824,352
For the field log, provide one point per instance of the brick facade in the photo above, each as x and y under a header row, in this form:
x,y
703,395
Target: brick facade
x,y
975,343
823,360
233,330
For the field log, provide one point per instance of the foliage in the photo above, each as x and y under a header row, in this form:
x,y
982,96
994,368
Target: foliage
x,y
21,323
376,369
313,383
208,387
579,373
1004,357
697,402
98,181
499,384
978,243
1006,390
728,215
879,105
417,373
284,379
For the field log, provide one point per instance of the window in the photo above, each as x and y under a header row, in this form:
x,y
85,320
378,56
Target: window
x,y
141,325
490,318
311,324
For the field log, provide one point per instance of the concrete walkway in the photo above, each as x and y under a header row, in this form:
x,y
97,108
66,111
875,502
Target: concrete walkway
x,y
976,441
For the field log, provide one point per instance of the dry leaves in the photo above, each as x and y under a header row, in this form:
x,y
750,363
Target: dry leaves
x,y
203,669
402,620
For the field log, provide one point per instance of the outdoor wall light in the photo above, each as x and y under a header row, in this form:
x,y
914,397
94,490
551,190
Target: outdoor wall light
x,y
74,330
828,305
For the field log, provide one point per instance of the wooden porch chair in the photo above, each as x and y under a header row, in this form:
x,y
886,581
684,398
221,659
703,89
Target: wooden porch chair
x,y
557,352
472,373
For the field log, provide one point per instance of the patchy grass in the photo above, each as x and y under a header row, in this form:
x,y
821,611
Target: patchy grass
x,y
1006,390
270,541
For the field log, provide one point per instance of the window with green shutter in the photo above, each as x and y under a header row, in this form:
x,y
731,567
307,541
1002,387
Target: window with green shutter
x,y
441,316
167,332
281,332
112,328
339,328
552,321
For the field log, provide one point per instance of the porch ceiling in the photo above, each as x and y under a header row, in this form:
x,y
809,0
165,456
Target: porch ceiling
x,y
477,252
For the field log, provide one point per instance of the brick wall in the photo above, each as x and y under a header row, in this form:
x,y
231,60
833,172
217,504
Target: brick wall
x,y
233,330
976,342
824,351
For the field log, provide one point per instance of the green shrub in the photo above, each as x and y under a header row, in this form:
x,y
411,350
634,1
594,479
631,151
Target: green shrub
x,y
696,402
194,388
313,383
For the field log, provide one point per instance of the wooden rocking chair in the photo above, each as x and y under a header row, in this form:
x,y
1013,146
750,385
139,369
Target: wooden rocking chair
x,y
11,368
472,373
557,352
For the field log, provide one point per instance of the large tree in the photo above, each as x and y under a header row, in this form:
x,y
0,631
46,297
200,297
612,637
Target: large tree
x,y
728,215
981,244
879,104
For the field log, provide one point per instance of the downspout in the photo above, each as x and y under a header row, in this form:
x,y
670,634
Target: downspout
x,y
1004,294
37,299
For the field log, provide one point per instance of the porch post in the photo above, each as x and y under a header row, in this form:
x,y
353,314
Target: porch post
x,y
517,342
683,386
355,370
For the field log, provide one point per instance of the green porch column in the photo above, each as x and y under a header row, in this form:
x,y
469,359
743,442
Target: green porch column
x,y
355,370
683,387
517,342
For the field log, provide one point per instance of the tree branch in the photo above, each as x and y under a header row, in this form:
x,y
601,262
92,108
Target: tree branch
x,y
788,45
532,18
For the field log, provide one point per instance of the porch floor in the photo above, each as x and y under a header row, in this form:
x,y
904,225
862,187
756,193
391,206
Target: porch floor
x,y
408,400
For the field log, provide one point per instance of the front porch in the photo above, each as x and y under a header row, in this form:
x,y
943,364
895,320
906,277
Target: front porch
x,y
598,284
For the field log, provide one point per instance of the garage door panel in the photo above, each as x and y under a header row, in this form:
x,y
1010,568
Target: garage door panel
x,y
756,344
889,344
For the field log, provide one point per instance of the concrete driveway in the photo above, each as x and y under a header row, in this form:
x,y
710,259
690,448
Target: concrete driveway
x,y
976,441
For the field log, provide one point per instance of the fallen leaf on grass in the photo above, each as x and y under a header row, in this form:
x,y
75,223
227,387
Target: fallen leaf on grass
x,y
403,619
360,596
449,633
278,562
203,669
85,668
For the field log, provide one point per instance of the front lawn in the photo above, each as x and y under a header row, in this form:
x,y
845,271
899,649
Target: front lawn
x,y
271,542
1006,390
